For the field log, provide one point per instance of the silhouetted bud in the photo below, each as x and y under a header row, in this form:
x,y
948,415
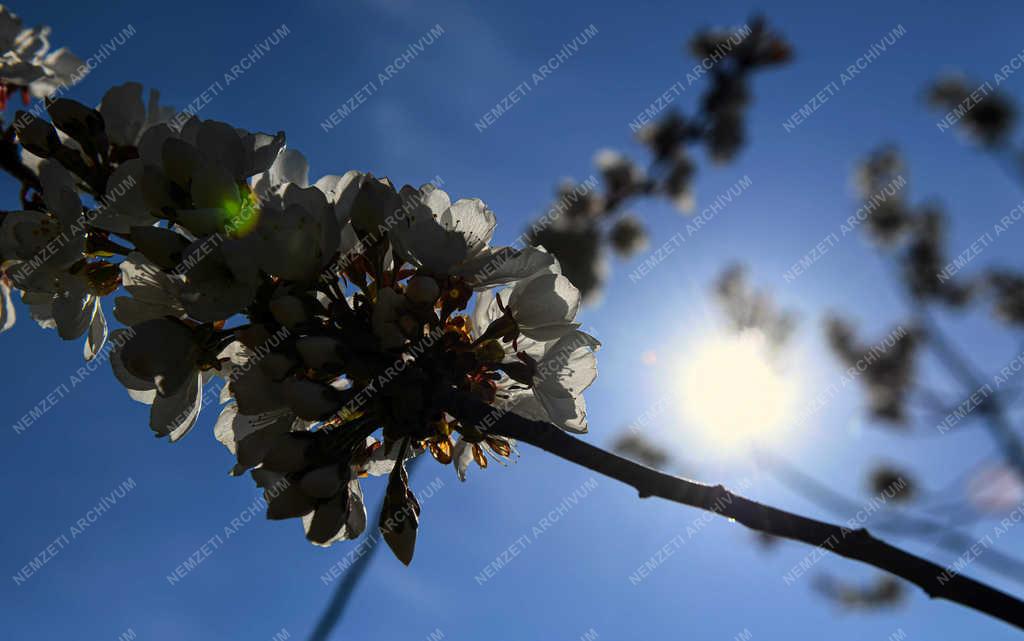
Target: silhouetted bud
x,y
885,369
578,250
636,447
678,184
882,592
986,115
728,93
725,136
746,308
924,262
1008,291
576,202
892,484
882,166
880,181
665,136
622,177
747,46
763,47
628,236
766,541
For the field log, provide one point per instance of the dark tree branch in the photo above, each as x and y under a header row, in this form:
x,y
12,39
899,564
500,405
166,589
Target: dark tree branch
x,y
897,522
854,544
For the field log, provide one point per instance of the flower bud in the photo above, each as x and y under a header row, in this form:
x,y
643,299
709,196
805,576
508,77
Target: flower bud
x,y
310,400
289,504
423,290
318,351
322,483
276,365
287,453
253,335
328,520
162,246
288,310
490,351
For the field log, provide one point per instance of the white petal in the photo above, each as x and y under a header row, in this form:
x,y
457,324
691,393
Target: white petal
x,y
462,454
255,392
214,188
356,522
221,145
261,150
174,415
568,413
123,113
383,461
139,389
224,430
60,193
485,311
567,368
7,314
341,192
163,352
325,525
505,265
545,306
525,404
72,313
97,332
147,282
323,482
125,201
471,218
310,400
290,166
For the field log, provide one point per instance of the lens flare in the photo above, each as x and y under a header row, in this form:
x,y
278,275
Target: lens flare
x,y
242,215
733,392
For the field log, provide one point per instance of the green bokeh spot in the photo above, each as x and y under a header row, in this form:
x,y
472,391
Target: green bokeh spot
x,y
242,215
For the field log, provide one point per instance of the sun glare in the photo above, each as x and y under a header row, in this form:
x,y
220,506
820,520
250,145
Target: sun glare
x,y
732,392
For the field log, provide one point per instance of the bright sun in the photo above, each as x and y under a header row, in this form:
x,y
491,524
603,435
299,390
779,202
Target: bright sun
x,y
732,392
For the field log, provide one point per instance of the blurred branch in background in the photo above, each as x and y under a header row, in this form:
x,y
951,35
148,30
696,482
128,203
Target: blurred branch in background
x,y
342,595
581,221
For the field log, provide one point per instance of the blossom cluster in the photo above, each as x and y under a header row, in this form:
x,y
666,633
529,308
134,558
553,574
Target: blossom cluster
x,y
27,66
343,315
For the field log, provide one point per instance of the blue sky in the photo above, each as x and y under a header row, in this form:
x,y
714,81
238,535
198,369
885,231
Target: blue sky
x,y
574,576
